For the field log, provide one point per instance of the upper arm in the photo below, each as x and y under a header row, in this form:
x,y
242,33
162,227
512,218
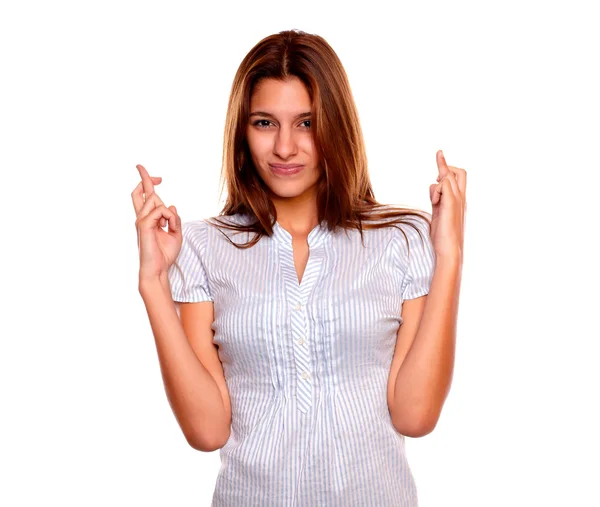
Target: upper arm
x,y
192,294
412,310
197,319
417,266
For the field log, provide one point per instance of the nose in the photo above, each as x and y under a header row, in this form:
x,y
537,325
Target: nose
x,y
285,143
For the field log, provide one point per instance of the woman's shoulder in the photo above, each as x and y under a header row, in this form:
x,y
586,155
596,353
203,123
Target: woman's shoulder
x,y
405,226
228,220
201,225
227,229
415,224
399,219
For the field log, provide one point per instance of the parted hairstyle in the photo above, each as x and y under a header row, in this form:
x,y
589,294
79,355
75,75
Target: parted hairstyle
x,y
345,197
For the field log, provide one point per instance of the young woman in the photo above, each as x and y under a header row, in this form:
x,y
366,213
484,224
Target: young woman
x,y
307,329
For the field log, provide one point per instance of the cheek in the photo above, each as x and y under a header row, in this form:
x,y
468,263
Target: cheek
x,y
308,146
309,149
258,145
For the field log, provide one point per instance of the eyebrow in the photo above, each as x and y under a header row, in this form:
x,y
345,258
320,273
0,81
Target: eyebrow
x,y
264,113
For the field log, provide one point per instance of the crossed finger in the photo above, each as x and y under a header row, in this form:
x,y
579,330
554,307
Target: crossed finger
x,y
152,202
146,180
437,189
137,196
459,178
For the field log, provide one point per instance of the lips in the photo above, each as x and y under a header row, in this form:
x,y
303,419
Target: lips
x,y
286,169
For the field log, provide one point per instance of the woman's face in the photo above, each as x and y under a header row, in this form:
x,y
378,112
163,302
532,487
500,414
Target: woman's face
x,y
279,134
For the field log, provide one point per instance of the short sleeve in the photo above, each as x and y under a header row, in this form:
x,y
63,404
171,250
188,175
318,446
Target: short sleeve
x,y
187,276
419,261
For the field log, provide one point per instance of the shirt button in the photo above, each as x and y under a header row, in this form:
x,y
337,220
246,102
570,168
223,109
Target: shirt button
x,y
305,375
298,307
300,341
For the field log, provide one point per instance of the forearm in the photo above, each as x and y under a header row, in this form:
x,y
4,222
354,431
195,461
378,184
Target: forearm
x,y
424,379
192,392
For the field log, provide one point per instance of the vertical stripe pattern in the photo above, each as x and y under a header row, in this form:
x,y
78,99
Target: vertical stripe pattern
x,y
307,362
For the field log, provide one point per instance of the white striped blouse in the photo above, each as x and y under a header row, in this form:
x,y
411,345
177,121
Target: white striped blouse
x,y
307,364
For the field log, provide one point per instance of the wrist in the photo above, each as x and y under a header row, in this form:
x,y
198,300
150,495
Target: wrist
x,y
153,283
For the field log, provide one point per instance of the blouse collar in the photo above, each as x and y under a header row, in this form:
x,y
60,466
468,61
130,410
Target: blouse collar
x,y
315,237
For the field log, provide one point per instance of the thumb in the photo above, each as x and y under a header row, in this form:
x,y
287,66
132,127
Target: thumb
x,y
435,192
432,188
176,225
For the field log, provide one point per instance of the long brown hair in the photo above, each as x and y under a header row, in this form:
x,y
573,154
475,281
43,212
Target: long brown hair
x,y
345,197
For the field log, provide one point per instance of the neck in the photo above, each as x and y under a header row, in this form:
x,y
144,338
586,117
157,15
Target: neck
x,y
297,215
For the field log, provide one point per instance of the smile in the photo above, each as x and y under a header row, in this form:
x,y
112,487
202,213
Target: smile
x,y
285,170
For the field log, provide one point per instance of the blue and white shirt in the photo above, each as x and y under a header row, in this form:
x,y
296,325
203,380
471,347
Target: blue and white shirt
x,y
307,364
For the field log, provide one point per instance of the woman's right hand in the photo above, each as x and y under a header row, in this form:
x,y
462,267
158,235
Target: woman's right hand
x,y
158,248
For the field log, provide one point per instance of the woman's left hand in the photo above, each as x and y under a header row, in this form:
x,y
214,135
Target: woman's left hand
x,y
448,201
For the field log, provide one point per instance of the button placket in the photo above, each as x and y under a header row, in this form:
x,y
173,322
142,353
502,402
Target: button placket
x,y
302,355
298,308
297,294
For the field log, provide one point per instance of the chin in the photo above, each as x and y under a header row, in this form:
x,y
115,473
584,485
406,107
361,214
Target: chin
x,y
289,191
290,188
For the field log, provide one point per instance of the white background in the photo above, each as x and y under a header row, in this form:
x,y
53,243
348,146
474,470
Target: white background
x,y
509,91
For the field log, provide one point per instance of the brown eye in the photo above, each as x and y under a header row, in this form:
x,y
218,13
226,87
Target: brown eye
x,y
257,122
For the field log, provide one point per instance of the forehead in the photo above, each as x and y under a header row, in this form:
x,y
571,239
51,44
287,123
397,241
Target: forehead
x,y
280,97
